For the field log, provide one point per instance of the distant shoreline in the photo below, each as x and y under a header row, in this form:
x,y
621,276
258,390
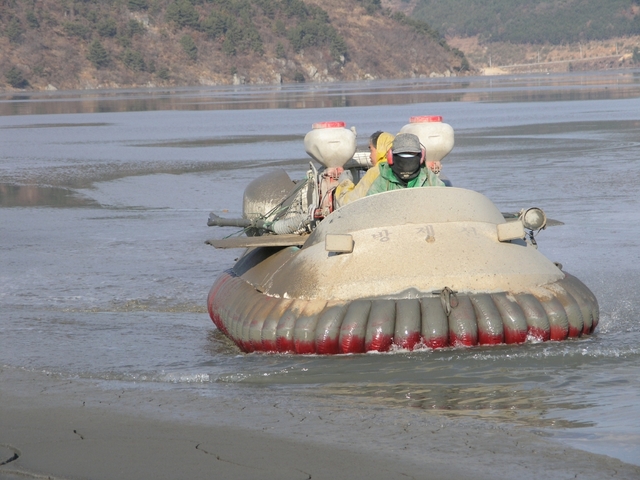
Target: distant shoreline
x,y
501,58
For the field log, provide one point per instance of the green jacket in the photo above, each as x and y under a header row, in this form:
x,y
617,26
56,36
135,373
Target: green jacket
x,y
388,181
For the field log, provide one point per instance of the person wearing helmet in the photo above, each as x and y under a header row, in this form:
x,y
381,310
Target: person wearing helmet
x,y
347,192
405,167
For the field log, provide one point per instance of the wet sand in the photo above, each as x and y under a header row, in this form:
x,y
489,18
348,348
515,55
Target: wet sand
x,y
60,428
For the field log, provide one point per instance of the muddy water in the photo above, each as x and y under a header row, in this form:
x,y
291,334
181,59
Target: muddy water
x,y
104,272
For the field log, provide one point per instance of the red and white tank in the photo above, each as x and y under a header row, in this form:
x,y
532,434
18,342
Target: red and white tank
x,y
436,136
330,143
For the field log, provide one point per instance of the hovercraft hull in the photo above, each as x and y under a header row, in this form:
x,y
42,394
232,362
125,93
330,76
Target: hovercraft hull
x,y
376,275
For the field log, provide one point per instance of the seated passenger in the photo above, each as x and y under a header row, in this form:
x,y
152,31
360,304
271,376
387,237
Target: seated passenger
x,y
346,191
405,167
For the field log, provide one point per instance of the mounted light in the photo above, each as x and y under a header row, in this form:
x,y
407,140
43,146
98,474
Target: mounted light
x,y
338,243
533,219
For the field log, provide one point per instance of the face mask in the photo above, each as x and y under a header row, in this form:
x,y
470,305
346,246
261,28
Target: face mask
x,y
406,168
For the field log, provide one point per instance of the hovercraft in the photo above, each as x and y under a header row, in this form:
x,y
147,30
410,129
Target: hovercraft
x,y
428,267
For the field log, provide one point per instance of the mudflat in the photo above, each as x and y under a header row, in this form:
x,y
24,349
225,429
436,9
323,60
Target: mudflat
x,y
62,428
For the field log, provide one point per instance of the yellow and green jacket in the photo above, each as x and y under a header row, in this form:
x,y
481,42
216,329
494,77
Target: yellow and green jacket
x,y
387,180
347,191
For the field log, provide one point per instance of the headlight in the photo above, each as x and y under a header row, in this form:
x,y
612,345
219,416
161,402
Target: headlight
x,y
533,219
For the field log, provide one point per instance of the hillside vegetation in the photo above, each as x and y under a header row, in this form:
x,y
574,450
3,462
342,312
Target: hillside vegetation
x,y
72,44
532,21
526,36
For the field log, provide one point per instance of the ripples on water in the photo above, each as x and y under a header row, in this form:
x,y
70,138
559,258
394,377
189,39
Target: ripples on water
x,y
103,207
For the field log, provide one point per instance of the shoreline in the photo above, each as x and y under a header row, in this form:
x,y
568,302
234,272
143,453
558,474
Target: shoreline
x,y
481,72
65,428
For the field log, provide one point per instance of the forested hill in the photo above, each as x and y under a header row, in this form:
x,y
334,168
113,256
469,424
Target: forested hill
x,y
77,44
532,21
